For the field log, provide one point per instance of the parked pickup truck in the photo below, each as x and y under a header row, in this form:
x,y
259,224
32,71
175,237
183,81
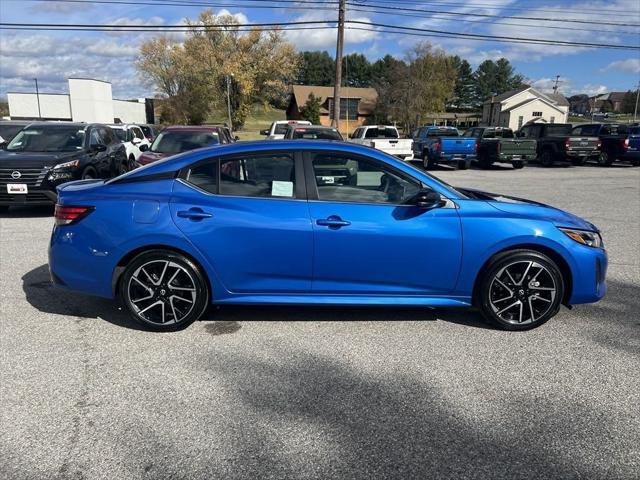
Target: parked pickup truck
x,y
618,142
444,145
279,128
498,144
385,138
556,144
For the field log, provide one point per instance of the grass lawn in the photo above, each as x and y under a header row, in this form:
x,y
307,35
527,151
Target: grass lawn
x,y
260,118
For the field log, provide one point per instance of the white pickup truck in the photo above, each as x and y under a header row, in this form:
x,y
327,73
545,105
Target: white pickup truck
x,y
278,129
385,138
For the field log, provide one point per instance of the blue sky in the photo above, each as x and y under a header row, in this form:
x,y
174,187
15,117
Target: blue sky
x,y
54,56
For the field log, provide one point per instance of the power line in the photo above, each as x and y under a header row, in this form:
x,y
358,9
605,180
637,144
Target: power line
x,y
486,15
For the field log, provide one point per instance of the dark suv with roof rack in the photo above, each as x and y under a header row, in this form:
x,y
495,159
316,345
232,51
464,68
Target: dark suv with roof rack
x,y
46,154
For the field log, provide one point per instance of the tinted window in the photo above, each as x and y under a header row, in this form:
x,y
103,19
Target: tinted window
x,y
107,135
443,132
121,134
388,132
8,131
585,130
205,176
316,134
176,141
258,176
52,138
344,179
137,133
558,130
148,131
503,133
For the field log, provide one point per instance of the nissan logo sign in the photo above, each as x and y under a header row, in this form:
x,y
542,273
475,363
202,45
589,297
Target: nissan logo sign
x,y
15,174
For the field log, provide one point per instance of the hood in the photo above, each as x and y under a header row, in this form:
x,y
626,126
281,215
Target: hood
x,y
150,157
529,209
19,160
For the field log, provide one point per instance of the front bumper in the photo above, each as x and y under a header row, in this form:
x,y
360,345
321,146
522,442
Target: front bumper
x,y
36,196
589,277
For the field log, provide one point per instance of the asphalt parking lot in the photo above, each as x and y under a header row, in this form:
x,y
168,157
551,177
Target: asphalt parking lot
x,y
327,392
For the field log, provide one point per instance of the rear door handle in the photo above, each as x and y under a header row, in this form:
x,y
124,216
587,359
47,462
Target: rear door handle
x,y
194,214
334,221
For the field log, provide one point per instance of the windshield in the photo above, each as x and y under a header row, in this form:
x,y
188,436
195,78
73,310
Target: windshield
x,y
48,138
381,132
317,134
121,134
176,142
7,132
558,130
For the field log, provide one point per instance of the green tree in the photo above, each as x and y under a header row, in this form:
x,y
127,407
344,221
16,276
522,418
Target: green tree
x,y
356,70
629,102
494,78
311,109
384,72
464,94
316,68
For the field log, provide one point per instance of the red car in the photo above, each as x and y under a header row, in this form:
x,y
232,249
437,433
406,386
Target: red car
x,y
178,139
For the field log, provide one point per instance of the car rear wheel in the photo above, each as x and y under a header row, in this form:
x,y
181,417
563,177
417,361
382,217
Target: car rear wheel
x,y
521,289
517,165
164,290
605,159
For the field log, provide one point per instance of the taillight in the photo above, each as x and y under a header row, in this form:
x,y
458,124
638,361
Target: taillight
x,y
567,144
599,144
476,145
66,215
439,144
625,143
499,147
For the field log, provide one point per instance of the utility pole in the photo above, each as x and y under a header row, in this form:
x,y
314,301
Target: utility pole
x,y
38,99
338,82
635,112
229,101
555,86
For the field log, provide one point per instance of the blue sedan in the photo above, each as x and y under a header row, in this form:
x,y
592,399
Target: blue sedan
x,y
316,223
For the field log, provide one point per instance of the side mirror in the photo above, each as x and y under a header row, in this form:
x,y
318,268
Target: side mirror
x,y
99,147
144,147
236,138
264,132
426,199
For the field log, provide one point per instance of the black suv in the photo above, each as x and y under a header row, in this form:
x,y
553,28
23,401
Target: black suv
x,y
46,154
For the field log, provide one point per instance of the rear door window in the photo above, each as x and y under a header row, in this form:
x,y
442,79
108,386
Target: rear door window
x,y
268,175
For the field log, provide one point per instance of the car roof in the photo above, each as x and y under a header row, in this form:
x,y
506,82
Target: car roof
x,y
192,128
314,127
79,125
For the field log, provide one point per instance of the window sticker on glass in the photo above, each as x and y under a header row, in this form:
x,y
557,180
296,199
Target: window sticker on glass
x,y
281,189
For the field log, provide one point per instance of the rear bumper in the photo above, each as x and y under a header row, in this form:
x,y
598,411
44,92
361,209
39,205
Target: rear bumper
x,y
455,157
511,157
404,156
630,156
582,153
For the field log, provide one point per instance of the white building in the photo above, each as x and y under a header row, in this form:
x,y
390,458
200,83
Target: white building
x,y
524,105
88,100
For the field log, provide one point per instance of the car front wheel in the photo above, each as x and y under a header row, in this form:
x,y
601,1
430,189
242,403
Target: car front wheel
x,y
164,290
521,290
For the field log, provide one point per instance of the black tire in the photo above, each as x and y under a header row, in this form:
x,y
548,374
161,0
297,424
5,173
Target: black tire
x,y
605,159
532,304
546,158
464,164
89,173
485,161
172,304
517,164
427,161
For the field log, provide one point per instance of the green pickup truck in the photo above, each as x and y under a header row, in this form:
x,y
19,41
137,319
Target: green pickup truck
x,y
497,144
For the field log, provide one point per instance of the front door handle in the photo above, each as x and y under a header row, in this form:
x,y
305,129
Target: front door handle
x,y
194,214
334,221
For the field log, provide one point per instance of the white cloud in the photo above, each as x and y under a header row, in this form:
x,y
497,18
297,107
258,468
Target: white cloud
x,y
631,65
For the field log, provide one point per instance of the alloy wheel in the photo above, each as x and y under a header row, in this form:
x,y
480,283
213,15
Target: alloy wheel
x,y
162,292
522,292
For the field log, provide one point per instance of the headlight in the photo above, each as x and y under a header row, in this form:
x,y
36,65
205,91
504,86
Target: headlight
x,y
585,237
71,164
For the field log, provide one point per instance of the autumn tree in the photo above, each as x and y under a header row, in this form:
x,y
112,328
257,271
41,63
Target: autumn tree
x,y
258,65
